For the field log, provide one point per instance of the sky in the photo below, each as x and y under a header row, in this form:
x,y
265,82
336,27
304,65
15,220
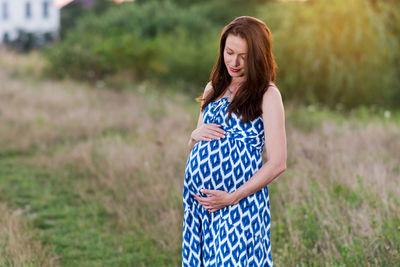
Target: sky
x,y
61,3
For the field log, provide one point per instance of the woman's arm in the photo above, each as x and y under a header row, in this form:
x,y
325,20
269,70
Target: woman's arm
x,y
275,143
192,142
205,132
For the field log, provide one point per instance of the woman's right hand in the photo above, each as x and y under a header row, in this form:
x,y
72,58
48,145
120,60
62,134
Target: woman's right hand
x,y
208,132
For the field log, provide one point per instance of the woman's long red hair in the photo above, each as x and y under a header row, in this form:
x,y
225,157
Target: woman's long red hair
x,y
259,70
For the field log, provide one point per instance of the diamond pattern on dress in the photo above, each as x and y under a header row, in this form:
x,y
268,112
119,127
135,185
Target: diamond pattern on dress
x,y
237,235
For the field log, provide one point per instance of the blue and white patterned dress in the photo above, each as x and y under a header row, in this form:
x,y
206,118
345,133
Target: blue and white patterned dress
x,y
237,235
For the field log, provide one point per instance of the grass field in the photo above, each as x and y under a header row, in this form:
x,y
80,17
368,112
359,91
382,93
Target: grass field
x,y
93,177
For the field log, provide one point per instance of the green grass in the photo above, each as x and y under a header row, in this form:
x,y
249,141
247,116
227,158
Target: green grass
x,y
97,177
82,231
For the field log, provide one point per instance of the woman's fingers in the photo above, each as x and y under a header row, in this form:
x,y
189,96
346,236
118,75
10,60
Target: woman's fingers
x,y
205,138
208,132
209,135
211,192
203,200
215,133
208,205
215,128
215,200
213,124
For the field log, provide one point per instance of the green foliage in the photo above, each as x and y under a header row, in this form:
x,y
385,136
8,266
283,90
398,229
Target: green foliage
x,y
178,49
69,17
152,40
71,13
335,52
166,40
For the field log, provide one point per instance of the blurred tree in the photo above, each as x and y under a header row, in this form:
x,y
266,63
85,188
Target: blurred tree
x,y
102,5
69,16
221,12
156,39
71,13
341,54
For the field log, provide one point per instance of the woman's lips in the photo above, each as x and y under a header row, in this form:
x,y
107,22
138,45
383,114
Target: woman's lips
x,y
233,69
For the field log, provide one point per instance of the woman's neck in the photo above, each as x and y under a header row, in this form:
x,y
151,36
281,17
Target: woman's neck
x,y
235,84
238,80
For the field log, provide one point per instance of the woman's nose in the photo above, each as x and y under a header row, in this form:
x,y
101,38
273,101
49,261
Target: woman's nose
x,y
235,61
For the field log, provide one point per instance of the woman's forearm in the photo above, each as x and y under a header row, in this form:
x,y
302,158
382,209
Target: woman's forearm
x,y
268,172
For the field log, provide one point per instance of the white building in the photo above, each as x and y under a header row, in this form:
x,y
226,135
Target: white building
x,y
34,16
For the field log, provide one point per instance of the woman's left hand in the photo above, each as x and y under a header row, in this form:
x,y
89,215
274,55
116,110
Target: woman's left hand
x,y
216,200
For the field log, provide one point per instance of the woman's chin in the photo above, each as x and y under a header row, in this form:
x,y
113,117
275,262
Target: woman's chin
x,y
236,75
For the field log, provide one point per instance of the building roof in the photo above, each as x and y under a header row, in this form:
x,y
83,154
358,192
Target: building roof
x,y
61,3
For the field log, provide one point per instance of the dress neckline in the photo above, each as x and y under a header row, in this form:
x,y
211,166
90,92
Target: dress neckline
x,y
226,97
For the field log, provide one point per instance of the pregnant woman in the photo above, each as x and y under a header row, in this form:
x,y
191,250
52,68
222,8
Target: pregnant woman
x,y
225,195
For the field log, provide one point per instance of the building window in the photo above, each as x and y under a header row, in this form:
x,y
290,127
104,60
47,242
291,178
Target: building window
x,y
28,10
6,37
45,9
4,13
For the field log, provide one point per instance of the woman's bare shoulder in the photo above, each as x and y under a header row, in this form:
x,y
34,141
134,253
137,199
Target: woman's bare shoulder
x,y
209,87
272,94
272,104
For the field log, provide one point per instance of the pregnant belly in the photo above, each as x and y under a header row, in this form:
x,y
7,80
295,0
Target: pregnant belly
x,y
219,164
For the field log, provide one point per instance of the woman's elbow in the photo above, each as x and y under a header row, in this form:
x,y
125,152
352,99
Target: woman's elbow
x,y
280,167
283,167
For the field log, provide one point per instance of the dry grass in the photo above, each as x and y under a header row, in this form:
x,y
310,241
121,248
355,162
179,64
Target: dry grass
x,y
346,177
18,245
101,134
140,169
333,205
38,115
144,179
20,66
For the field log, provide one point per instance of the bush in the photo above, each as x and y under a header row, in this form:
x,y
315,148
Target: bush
x,y
167,40
337,52
153,39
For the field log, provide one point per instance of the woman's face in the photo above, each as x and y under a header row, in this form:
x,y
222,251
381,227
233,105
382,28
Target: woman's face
x,y
235,55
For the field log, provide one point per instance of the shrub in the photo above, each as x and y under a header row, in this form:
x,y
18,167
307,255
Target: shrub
x,y
167,40
338,53
334,52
